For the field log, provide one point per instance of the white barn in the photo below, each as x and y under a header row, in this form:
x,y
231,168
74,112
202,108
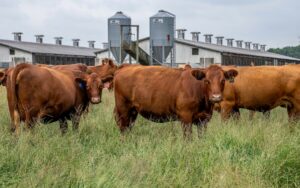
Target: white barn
x,y
202,54
13,52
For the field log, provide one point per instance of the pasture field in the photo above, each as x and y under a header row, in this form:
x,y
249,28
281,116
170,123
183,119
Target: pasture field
x,y
258,153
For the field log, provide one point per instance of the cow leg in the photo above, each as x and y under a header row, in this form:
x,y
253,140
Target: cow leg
x,y
186,124
294,114
28,120
63,125
187,130
226,110
235,113
201,128
132,116
122,118
267,114
16,122
201,121
75,121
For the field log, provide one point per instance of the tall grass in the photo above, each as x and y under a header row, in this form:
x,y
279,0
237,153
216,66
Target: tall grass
x,y
243,153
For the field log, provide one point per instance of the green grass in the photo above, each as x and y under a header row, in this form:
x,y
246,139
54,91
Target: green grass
x,y
258,153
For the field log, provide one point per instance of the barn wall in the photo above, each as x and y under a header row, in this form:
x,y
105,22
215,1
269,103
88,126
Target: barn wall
x,y
102,55
19,56
183,54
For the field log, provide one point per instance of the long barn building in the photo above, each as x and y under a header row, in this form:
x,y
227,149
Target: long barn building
x,y
203,54
16,51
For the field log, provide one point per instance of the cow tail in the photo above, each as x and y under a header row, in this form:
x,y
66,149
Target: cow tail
x,y
14,92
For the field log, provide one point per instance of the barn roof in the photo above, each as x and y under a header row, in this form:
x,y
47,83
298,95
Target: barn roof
x,y
235,50
225,49
43,48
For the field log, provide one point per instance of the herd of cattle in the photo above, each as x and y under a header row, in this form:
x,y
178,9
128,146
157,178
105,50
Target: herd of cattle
x,y
63,92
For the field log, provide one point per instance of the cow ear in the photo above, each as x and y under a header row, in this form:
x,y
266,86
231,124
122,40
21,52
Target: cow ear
x,y
230,74
80,77
198,74
110,62
107,78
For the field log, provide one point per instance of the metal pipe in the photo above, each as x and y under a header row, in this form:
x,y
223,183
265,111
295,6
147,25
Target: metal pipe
x,y
137,43
121,39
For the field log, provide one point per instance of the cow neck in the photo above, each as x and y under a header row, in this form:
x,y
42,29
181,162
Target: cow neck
x,y
197,87
82,96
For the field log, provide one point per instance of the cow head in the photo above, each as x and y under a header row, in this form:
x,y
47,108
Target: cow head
x,y
214,79
3,78
93,84
109,66
187,66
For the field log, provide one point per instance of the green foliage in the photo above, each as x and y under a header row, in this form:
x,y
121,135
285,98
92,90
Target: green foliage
x,y
288,51
243,153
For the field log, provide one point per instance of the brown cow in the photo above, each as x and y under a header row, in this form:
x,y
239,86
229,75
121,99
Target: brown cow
x,y
107,68
162,94
261,89
41,93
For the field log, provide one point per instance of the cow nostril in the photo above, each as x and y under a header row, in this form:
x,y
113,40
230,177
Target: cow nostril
x,y
216,98
96,100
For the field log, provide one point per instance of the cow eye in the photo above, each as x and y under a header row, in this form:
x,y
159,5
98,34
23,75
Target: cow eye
x,y
223,81
207,82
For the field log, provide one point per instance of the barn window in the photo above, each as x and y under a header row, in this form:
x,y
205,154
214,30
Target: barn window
x,y
195,51
11,52
202,61
209,61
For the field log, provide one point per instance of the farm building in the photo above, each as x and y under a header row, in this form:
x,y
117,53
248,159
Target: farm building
x,y
161,47
16,51
202,54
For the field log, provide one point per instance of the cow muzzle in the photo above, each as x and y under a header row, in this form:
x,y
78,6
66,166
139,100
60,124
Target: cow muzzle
x,y
95,100
216,98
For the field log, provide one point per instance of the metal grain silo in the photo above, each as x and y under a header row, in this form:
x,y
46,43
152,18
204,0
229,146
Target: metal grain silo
x,y
114,34
162,36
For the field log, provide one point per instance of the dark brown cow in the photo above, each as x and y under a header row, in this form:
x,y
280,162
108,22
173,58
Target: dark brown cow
x,y
41,93
107,68
163,94
263,88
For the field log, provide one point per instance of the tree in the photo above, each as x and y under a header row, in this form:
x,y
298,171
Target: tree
x,y
292,51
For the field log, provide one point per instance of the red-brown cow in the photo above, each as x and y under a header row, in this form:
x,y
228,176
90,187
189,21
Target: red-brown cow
x,y
163,94
41,93
263,88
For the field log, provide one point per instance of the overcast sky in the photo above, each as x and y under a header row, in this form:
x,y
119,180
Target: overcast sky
x,y
272,22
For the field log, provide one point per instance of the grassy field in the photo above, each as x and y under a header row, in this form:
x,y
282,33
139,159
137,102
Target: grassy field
x,y
258,153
